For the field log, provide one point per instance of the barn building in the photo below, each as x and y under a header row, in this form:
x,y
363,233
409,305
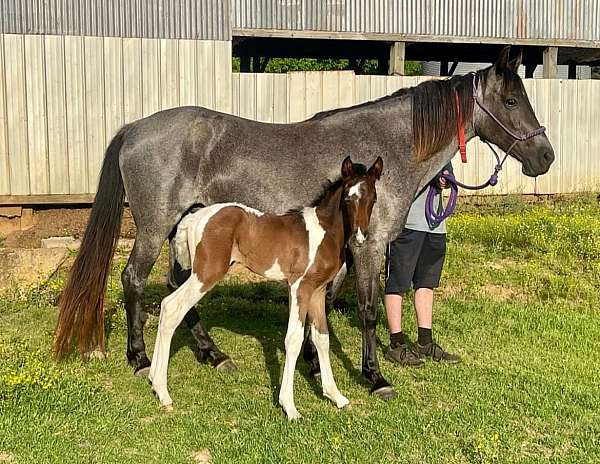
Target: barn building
x,y
73,71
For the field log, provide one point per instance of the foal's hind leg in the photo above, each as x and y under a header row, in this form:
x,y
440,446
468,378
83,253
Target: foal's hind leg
x,y
206,350
143,256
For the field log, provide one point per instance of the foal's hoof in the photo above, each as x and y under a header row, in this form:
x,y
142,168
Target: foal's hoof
x,y
386,393
142,372
226,365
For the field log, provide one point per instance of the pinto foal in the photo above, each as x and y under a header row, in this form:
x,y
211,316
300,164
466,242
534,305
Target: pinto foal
x,y
303,248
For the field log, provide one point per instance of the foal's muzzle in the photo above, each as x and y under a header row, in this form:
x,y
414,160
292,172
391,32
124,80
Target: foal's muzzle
x,y
359,237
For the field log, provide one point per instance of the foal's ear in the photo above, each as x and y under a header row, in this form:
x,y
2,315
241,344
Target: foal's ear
x,y
375,170
502,63
514,64
347,168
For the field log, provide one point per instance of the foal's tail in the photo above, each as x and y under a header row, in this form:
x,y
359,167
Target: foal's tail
x,y
81,305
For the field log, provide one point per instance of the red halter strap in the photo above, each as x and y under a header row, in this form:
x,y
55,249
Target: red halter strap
x,y
460,127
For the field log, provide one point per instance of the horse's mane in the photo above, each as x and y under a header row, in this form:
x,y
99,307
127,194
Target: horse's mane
x,y
327,188
433,111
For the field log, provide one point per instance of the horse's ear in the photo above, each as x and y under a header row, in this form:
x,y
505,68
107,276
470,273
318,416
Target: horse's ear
x,y
347,168
375,170
514,64
502,63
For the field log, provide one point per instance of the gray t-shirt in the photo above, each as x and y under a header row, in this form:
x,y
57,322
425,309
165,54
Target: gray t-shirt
x,y
416,219
416,215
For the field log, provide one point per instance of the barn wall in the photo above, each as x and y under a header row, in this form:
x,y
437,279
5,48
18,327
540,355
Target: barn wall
x,y
62,98
566,108
159,19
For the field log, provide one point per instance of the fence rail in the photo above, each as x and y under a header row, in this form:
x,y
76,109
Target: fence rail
x,y
63,97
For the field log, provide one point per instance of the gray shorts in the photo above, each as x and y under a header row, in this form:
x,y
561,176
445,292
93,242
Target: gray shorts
x,y
415,258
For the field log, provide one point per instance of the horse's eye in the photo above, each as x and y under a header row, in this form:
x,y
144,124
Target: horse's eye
x,y
510,102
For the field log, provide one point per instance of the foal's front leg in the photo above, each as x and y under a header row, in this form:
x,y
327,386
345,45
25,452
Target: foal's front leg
x,y
320,337
173,308
293,344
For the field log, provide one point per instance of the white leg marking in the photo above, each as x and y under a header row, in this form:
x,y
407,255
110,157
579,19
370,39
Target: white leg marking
x,y
191,228
293,344
330,389
274,272
295,332
173,308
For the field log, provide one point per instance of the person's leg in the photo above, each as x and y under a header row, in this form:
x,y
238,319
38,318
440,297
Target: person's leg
x,y
424,310
427,277
401,258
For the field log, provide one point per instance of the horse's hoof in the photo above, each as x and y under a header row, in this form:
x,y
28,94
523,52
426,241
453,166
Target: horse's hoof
x,y
167,408
317,376
142,372
96,354
226,365
386,393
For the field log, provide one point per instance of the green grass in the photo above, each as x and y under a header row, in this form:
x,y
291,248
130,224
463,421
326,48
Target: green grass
x,y
519,303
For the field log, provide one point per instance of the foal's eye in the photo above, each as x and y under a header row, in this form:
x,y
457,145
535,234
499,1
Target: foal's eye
x,y
510,102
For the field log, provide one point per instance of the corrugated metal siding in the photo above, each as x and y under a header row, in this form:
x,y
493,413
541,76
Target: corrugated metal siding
x,y
510,19
168,19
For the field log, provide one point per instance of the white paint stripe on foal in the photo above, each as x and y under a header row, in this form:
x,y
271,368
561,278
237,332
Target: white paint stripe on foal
x,y
191,228
275,272
355,190
294,335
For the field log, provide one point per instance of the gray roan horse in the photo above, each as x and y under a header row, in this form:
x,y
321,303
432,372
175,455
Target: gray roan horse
x,y
175,159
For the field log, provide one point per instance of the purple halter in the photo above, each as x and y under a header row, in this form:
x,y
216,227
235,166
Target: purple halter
x,y
435,217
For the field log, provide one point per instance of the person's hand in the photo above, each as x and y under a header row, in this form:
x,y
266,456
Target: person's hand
x,y
443,183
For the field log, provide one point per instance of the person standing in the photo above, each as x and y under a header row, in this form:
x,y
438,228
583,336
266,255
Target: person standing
x,y
416,259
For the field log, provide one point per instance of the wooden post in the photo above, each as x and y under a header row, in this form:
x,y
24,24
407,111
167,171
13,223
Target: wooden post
x,y
551,63
443,68
529,70
572,71
245,63
397,55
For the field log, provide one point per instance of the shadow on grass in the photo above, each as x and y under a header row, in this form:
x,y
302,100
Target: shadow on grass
x,y
259,310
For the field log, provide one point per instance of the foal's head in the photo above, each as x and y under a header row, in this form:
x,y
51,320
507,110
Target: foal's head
x,y
358,197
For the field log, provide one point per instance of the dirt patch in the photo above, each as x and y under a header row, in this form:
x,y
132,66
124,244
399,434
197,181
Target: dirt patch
x,y
58,223
499,292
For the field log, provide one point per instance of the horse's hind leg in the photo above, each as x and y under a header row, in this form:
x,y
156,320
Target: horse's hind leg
x,y
143,256
206,350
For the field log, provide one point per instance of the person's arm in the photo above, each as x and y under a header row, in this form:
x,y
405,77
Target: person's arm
x,y
440,181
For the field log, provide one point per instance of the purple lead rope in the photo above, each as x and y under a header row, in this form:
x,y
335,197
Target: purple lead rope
x,y
436,217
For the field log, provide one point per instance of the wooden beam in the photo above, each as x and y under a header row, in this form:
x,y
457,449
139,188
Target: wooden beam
x,y
397,57
299,34
551,63
46,199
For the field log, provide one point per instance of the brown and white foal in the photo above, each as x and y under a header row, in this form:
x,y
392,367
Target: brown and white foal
x,y
303,248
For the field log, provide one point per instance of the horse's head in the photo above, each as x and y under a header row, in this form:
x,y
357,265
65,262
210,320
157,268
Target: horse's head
x,y
503,115
358,197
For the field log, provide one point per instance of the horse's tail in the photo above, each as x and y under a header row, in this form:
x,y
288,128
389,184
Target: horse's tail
x,y
81,305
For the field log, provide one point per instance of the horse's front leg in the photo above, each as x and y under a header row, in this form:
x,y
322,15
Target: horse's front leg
x,y
367,260
320,337
299,301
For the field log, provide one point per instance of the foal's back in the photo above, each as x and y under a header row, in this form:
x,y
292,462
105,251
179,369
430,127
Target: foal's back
x,y
278,247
